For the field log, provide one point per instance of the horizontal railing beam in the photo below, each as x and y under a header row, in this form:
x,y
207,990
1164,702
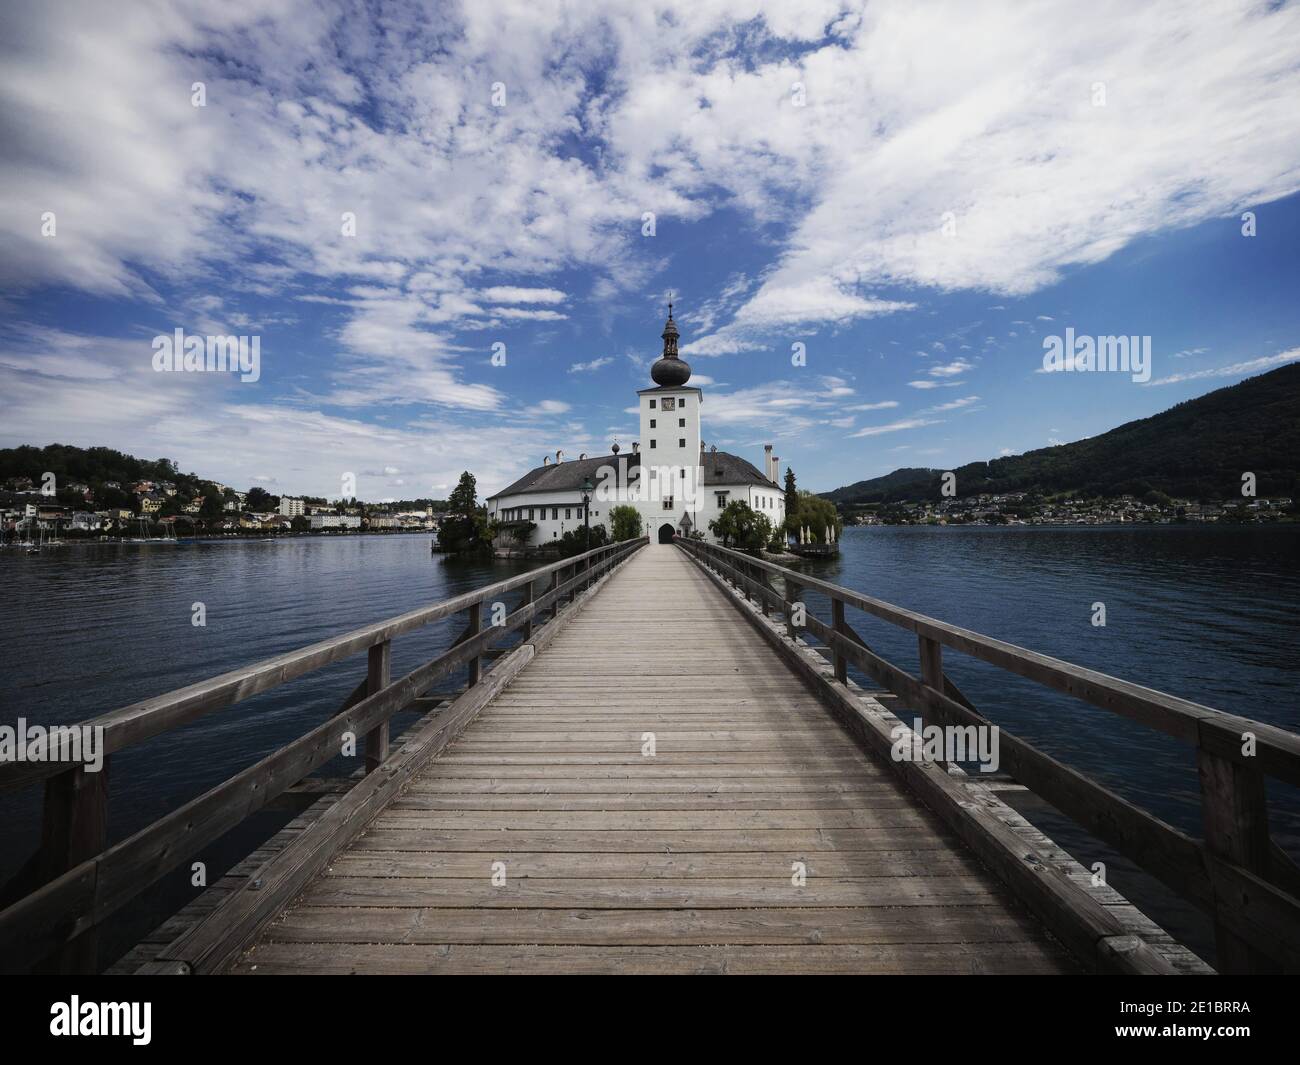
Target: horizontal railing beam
x,y
1276,751
1258,914
142,720
94,889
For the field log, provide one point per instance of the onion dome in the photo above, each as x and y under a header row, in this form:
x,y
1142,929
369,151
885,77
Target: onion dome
x,y
670,370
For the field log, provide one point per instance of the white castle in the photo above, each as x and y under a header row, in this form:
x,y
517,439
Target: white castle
x,y
674,483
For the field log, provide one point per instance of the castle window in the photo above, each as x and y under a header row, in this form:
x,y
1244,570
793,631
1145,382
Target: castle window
x,y
652,443
652,423
652,404
722,499
555,513
681,422
668,502
681,442
568,512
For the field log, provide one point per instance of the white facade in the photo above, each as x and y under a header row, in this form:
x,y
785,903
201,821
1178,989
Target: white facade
x,y
290,507
675,483
334,521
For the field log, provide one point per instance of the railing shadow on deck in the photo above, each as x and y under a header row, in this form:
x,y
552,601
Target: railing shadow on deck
x,y
1236,874
76,880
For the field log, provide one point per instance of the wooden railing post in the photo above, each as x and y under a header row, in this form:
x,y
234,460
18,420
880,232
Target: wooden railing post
x,y
74,827
1234,813
378,676
837,623
931,652
475,627
528,598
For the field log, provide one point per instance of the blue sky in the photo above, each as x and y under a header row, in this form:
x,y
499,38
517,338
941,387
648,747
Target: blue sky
x,y
917,194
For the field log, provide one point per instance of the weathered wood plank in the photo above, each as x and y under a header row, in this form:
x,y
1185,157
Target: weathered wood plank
x,y
459,959
754,808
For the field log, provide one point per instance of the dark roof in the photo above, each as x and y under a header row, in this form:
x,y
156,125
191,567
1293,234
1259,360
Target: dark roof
x,y
563,476
723,468
719,468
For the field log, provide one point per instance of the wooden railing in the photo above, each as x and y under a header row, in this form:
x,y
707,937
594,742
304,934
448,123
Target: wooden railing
x,y
1246,883
76,879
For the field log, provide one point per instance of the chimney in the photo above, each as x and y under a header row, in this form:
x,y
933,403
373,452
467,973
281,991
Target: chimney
x,y
559,457
767,462
776,469
546,460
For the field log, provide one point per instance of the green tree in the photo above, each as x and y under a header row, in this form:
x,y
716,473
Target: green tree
x,y
791,489
210,510
574,541
742,527
464,499
626,522
813,513
466,528
259,501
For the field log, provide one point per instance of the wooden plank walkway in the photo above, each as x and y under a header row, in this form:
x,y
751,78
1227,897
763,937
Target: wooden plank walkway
x,y
608,859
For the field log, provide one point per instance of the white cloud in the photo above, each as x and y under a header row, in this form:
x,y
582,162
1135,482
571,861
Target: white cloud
x,y
1237,369
594,364
951,369
884,404
527,314
216,427
514,294
956,404
468,216
895,427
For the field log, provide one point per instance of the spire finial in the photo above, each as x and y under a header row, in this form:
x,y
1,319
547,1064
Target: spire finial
x,y
670,370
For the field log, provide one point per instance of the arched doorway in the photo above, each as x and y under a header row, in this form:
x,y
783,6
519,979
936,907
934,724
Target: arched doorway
x,y
666,533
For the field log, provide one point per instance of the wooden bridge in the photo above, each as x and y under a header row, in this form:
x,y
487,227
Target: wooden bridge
x,y
660,762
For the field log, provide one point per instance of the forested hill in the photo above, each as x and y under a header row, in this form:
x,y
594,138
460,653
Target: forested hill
x,y
1197,450
92,465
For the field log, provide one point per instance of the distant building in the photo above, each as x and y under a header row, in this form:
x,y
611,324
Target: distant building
x,y
334,521
291,507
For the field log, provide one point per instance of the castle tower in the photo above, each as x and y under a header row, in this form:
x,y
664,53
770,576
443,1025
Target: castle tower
x,y
670,434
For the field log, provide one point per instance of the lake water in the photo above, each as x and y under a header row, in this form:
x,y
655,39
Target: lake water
x,y
1206,613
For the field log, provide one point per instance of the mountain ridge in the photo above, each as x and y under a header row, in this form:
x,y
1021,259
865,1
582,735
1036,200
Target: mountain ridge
x,y
1197,449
